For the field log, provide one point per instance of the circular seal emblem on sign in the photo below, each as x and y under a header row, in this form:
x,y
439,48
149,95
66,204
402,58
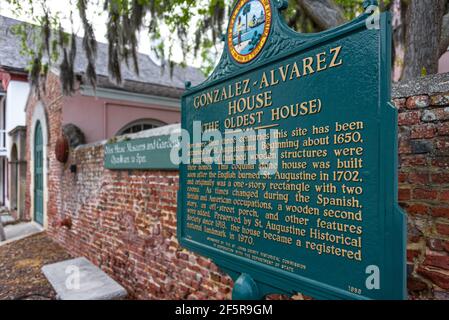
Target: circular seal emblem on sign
x,y
249,28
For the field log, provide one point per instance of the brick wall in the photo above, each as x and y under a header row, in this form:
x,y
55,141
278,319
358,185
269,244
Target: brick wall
x,y
125,221
424,182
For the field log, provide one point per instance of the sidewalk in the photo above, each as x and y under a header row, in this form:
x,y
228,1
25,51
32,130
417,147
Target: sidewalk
x,y
19,231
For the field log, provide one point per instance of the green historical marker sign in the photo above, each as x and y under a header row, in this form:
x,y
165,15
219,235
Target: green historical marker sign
x,y
321,217
152,153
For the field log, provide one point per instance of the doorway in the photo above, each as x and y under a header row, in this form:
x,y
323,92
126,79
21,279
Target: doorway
x,y
38,175
14,178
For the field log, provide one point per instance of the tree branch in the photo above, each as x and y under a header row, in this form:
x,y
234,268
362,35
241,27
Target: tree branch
x,y
324,13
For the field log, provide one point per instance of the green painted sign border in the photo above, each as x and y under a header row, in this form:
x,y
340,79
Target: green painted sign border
x,y
271,280
155,159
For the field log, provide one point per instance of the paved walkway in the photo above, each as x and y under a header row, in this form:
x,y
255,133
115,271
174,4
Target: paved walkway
x,y
6,219
19,231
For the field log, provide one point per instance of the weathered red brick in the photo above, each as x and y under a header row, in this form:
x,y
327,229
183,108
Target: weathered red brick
x,y
204,262
404,194
442,113
442,228
425,194
442,143
444,195
441,162
409,118
418,178
404,147
412,254
413,160
418,102
443,129
402,177
418,208
423,131
440,212
438,261
439,278
441,178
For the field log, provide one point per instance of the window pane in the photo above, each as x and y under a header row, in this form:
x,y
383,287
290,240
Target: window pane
x,y
141,125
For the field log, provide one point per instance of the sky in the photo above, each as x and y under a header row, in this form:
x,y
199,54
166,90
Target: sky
x,y
98,18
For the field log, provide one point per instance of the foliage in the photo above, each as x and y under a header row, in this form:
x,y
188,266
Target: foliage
x,y
196,26
351,8
47,44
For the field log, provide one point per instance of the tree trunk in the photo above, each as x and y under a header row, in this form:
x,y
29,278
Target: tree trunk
x,y
424,19
324,13
444,42
398,10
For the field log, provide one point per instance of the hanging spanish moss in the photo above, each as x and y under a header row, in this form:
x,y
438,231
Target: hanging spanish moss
x,y
49,46
89,43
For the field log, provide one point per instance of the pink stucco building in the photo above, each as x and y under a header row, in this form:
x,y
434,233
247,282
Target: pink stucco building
x,y
108,112
144,101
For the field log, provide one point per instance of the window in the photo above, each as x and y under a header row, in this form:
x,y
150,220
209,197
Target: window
x,y
140,125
